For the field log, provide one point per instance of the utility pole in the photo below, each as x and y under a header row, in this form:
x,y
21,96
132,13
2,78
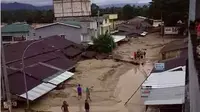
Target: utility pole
x,y
98,28
5,79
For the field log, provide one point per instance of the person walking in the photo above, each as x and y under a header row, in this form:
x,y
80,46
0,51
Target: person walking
x,y
87,106
79,90
64,107
135,55
88,94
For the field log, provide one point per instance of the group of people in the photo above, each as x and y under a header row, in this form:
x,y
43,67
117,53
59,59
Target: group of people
x,y
139,54
65,105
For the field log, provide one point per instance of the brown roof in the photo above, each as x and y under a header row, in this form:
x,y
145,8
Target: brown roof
x,y
49,51
16,83
172,63
175,45
40,71
61,63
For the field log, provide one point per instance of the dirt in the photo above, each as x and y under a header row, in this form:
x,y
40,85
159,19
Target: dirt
x,y
111,82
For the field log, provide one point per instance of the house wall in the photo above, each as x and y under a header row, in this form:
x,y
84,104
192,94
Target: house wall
x,y
32,35
89,30
28,35
73,34
69,8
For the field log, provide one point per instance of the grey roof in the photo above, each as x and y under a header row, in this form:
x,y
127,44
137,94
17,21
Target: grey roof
x,y
172,63
175,45
164,96
129,29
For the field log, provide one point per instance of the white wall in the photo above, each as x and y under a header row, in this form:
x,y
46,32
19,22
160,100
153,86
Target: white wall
x,y
73,34
69,8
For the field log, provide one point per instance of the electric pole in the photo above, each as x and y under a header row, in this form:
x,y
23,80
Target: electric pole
x,y
5,79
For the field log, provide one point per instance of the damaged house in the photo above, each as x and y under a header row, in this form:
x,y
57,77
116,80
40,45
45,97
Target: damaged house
x,y
137,26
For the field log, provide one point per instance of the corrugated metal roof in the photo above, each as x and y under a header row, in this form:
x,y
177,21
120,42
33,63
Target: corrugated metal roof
x,y
50,44
165,96
38,91
16,28
61,78
166,79
40,71
61,63
72,51
69,24
16,83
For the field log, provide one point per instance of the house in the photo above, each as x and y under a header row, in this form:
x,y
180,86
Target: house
x,y
112,18
140,23
17,32
138,26
165,90
173,49
69,30
48,63
100,24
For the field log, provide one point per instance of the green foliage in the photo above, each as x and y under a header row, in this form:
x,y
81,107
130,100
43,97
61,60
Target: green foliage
x,y
170,10
29,16
124,13
94,9
127,12
104,43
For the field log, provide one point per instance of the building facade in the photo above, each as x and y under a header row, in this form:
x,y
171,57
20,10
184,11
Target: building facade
x,y
78,32
193,73
71,8
17,32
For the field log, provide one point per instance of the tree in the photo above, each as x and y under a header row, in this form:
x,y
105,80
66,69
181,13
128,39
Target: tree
x,y
127,11
94,9
104,43
170,10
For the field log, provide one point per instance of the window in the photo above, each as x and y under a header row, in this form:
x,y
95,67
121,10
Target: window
x,y
63,36
40,37
33,34
7,38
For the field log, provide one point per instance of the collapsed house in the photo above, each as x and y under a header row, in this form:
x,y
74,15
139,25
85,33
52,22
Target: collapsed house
x,y
47,64
137,26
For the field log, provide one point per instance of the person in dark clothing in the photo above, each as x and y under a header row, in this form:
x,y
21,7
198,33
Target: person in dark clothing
x,y
79,90
64,107
87,106
144,54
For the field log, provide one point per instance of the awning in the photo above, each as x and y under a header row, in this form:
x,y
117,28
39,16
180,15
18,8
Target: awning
x,y
165,96
166,79
38,91
61,78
